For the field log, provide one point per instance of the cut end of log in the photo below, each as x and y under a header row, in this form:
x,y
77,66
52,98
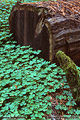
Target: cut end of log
x,y
28,29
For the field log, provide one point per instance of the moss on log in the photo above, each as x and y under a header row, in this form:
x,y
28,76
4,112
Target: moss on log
x,y
72,73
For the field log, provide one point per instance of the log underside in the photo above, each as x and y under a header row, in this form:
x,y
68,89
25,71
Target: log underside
x,y
58,32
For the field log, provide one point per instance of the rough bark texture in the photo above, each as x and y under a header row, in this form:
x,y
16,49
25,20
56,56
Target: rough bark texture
x,y
72,74
48,26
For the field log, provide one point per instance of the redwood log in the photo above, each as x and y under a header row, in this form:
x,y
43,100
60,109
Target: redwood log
x,y
48,26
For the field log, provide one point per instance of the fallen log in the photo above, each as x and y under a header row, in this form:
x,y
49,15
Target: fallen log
x,y
48,26
72,74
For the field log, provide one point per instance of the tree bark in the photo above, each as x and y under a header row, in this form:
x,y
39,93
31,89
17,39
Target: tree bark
x,y
48,26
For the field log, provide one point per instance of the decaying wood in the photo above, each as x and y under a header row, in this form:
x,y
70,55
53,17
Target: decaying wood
x,y
49,26
71,73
